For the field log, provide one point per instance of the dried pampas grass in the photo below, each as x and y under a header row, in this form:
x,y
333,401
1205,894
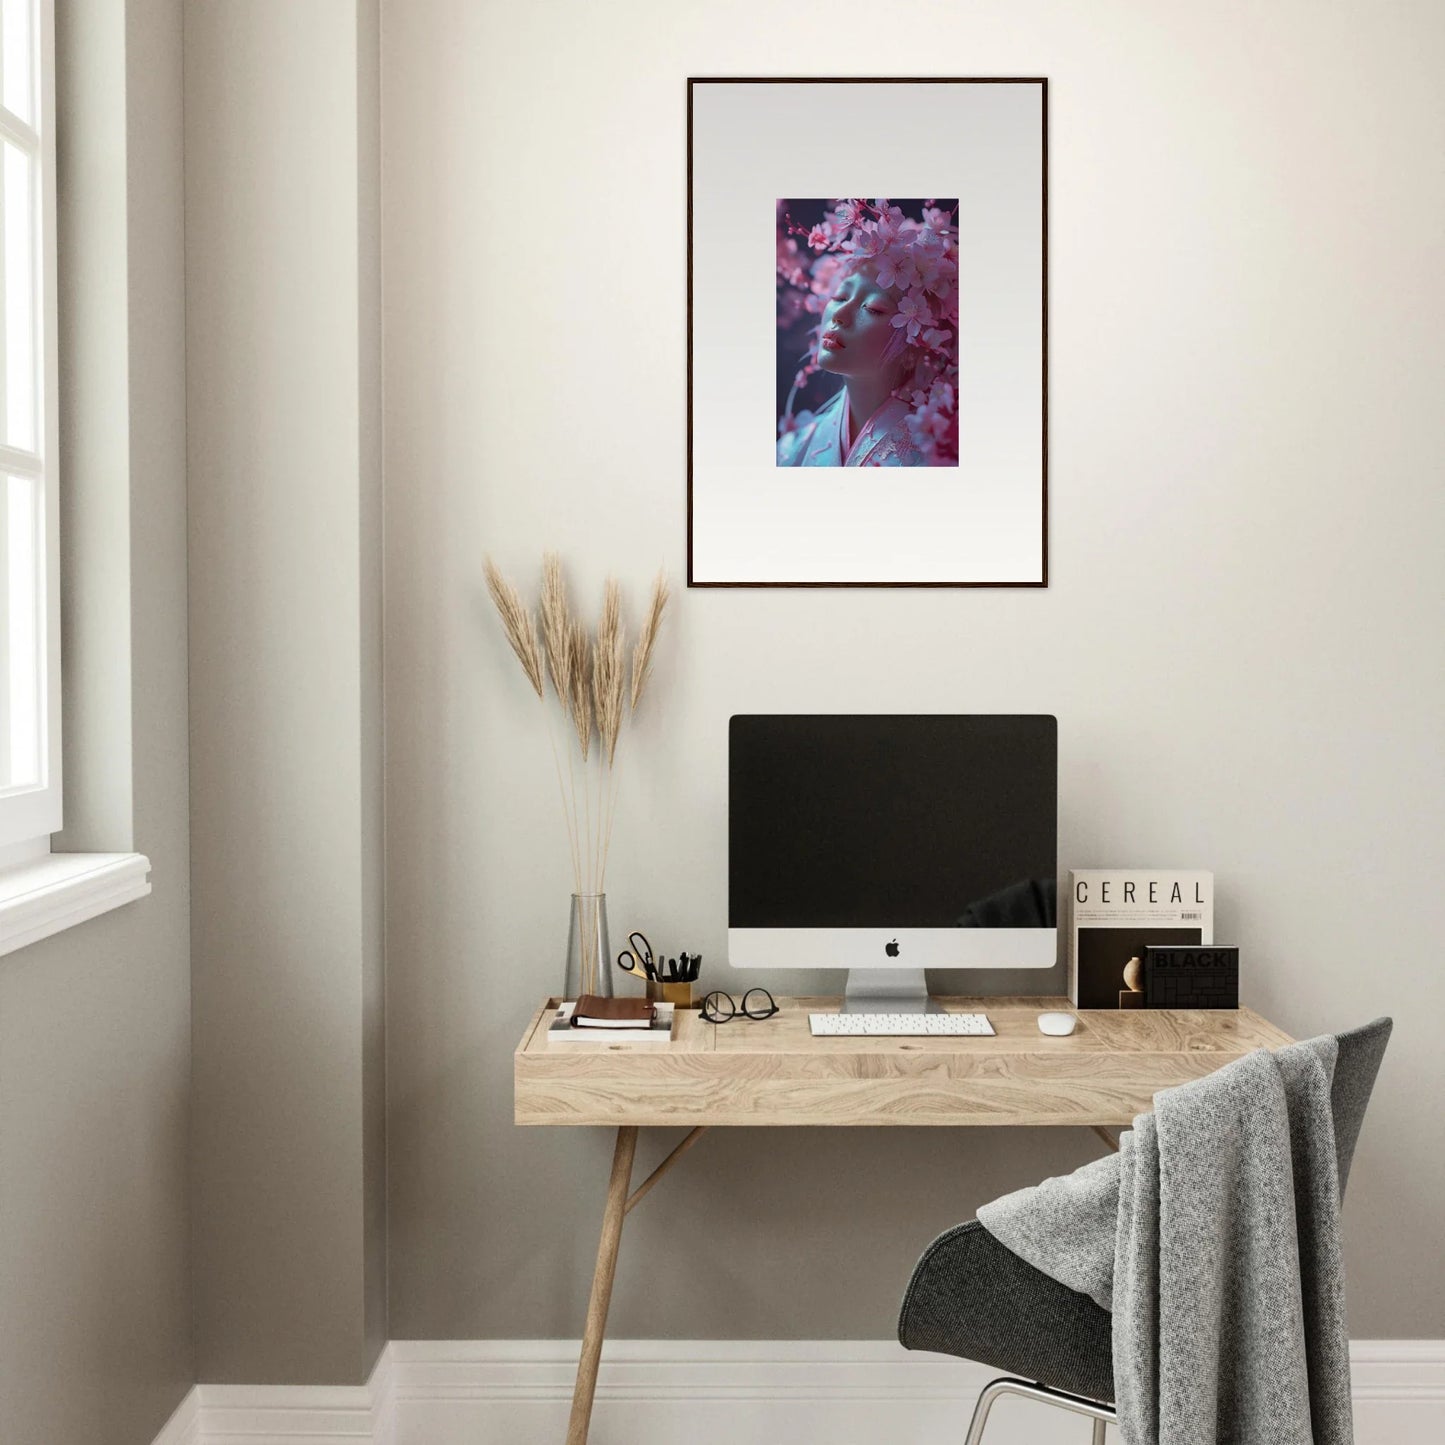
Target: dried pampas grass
x,y
642,653
608,672
556,630
589,679
519,625
579,685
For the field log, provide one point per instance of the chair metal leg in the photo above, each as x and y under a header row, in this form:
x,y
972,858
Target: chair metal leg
x,y
1099,1413
980,1411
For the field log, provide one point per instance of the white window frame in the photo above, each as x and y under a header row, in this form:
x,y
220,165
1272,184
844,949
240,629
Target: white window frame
x,y
42,892
29,815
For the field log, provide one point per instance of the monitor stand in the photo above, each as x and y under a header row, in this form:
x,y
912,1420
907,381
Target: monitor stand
x,y
887,991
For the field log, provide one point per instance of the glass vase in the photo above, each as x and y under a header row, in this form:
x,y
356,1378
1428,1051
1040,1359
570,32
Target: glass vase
x,y
589,957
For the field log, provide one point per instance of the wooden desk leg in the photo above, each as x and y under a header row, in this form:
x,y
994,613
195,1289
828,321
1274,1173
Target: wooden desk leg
x,y
602,1277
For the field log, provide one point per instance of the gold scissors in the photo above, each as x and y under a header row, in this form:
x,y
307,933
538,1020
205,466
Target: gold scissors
x,y
636,958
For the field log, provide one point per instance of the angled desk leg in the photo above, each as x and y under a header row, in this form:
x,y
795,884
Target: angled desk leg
x,y
612,1214
619,1203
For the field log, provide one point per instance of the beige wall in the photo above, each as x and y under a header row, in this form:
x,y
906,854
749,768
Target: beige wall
x,y
1241,639
283,369
95,1344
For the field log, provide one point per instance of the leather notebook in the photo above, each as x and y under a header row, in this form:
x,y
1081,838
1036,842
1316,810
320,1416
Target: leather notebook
x,y
593,1012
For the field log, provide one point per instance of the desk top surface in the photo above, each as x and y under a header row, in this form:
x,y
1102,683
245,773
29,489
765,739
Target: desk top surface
x,y
774,1072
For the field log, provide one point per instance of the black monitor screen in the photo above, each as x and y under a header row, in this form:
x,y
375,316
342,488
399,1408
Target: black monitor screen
x,y
892,822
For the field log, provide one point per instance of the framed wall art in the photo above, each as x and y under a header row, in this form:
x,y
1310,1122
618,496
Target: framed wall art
x,y
867,306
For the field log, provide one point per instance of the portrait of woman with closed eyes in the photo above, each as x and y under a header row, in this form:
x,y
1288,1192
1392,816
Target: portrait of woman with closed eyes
x,y
867,333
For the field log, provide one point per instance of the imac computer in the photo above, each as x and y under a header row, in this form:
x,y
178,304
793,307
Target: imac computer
x,y
886,845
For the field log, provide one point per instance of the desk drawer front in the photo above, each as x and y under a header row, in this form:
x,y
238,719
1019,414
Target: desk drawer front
x,y
900,1087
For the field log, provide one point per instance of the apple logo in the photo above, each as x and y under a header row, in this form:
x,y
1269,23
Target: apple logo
x,y
891,949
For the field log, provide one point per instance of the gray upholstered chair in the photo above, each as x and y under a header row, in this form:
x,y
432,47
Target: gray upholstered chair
x,y
972,1297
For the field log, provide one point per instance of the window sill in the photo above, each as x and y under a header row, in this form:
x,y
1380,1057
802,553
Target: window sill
x,y
63,889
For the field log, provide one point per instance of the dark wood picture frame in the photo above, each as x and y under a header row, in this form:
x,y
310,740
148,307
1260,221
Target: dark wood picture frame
x,y
1042,82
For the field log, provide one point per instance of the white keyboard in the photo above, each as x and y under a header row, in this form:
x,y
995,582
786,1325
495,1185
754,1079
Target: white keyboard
x,y
902,1026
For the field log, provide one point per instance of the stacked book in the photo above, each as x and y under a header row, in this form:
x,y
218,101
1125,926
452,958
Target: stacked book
x,y
592,1020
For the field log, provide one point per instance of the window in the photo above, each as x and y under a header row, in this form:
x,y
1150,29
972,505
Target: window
x,y
41,892
30,808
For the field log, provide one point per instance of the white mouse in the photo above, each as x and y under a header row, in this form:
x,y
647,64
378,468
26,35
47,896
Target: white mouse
x,y
1057,1024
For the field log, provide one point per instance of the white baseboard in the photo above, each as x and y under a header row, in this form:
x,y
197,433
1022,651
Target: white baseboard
x,y
184,1427
1398,1387
714,1392
288,1414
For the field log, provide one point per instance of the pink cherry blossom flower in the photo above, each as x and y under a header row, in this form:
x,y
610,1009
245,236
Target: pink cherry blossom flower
x,y
890,220
936,433
927,426
934,338
929,244
896,267
925,270
913,313
920,435
819,236
944,292
865,242
846,214
790,266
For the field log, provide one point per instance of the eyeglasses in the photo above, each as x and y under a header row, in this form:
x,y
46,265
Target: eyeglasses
x,y
719,1007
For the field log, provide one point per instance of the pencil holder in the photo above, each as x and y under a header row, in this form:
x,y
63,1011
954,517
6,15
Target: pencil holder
x,y
679,994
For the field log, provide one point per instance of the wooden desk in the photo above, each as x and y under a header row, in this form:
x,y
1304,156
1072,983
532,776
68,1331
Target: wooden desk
x,y
773,1072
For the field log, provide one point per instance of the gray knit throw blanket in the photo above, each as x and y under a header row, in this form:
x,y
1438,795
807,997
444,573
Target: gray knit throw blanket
x,y
1213,1236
